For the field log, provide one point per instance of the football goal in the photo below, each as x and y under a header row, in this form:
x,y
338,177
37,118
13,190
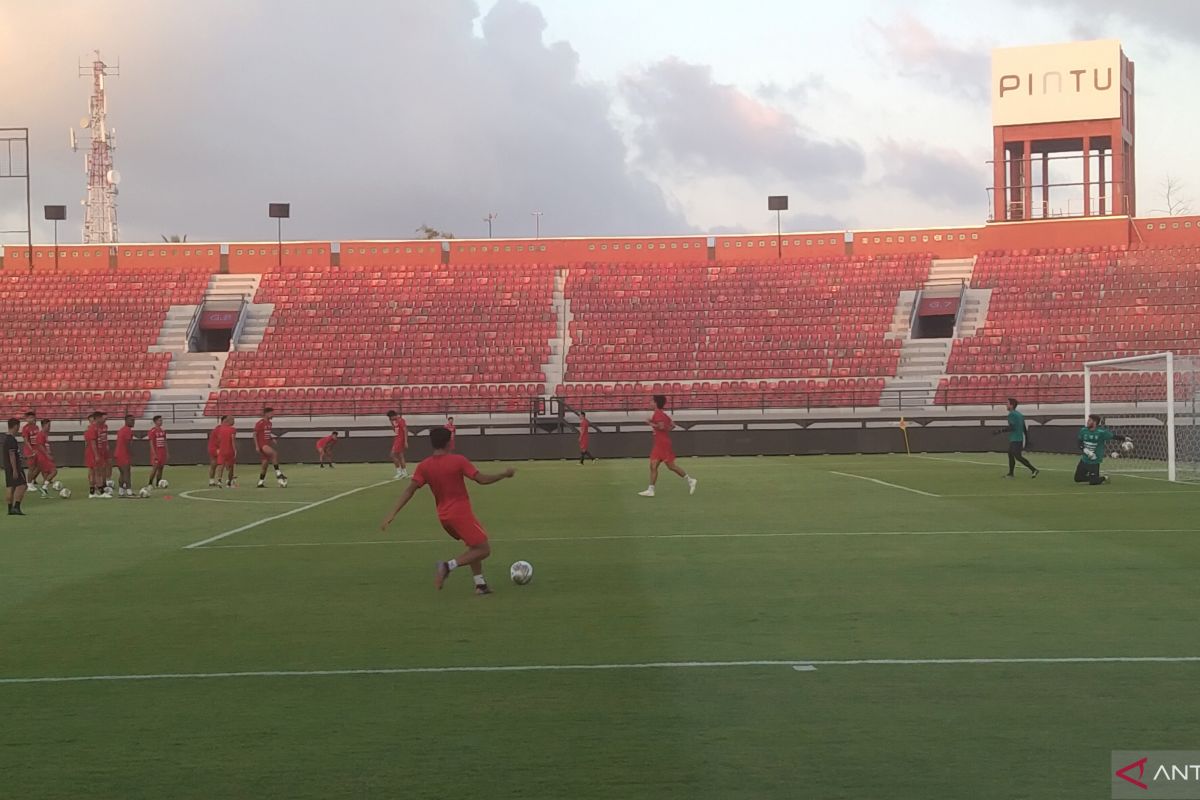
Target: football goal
x,y
1153,400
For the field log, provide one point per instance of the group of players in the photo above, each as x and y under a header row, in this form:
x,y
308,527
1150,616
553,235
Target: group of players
x,y
222,452
1091,439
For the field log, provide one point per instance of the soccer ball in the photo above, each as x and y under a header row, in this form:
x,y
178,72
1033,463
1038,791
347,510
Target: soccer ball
x,y
145,492
162,484
521,572
64,493
56,486
283,483
1127,446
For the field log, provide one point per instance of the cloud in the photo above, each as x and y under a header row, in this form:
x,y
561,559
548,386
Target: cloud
x,y
1176,19
922,55
409,113
940,177
688,121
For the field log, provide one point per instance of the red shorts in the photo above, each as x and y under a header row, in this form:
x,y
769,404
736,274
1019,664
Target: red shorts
x,y
583,445
89,459
45,465
212,454
266,452
226,458
466,529
158,461
398,445
663,452
123,461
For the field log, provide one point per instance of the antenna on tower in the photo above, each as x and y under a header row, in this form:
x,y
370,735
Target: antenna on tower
x,y
100,219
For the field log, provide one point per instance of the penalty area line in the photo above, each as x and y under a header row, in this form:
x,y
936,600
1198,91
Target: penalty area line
x,y
297,510
885,483
802,665
193,494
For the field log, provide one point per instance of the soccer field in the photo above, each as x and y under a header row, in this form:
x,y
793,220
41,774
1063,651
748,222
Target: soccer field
x,y
782,633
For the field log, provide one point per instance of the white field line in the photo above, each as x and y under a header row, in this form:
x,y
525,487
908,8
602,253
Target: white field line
x,y
885,483
193,494
664,665
999,465
296,510
784,535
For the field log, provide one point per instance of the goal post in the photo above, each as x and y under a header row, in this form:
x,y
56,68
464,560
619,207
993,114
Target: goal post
x,y
1153,400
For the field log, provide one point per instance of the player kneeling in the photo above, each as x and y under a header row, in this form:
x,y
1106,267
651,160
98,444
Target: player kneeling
x,y
1092,439
444,473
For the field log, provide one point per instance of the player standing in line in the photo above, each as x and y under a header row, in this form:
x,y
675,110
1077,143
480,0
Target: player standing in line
x,y
264,443
399,443
213,463
453,431
1017,432
1092,438
444,472
662,452
585,433
29,429
14,469
105,452
93,457
325,447
226,442
158,451
124,458
45,465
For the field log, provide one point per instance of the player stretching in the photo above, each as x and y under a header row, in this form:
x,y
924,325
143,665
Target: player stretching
x,y
264,443
213,462
158,452
444,472
14,469
453,432
585,433
1092,439
29,430
399,443
1017,432
124,458
325,449
45,460
663,453
225,437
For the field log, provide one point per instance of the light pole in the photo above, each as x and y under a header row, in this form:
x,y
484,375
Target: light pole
x,y
537,224
489,219
279,212
778,203
55,213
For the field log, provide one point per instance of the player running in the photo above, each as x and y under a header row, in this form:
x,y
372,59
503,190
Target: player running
x,y
124,458
444,472
264,443
585,433
662,452
453,432
29,429
1092,438
225,438
1017,432
14,469
158,451
399,443
213,463
45,460
325,447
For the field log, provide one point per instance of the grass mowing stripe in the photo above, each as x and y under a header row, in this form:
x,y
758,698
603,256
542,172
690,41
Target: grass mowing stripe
x,y
860,662
265,520
885,483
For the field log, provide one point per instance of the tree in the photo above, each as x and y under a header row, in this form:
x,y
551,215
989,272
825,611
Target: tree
x,y
427,232
1175,198
175,238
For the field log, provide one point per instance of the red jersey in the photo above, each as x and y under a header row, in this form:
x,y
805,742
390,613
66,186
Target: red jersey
x,y
325,442
102,439
92,437
262,433
584,426
124,438
224,436
158,443
29,432
212,439
400,427
445,475
662,427
41,443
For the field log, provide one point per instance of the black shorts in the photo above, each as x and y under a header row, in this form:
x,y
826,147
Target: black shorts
x,y
1087,473
1016,448
13,481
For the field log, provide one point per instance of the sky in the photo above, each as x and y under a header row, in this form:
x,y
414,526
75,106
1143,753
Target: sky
x,y
611,117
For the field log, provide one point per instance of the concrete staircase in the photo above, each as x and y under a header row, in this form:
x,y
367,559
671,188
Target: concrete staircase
x,y
258,315
975,311
922,363
951,269
172,338
902,319
561,341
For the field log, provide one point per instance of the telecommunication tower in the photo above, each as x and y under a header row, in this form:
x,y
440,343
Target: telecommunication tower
x,y
100,219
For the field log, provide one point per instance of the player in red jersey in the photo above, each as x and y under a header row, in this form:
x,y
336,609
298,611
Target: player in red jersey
x,y
105,451
264,443
662,452
93,457
325,447
443,472
123,457
212,454
158,451
585,435
453,432
225,438
29,429
45,460
399,443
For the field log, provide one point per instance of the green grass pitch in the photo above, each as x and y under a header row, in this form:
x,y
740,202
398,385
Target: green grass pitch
x,y
772,560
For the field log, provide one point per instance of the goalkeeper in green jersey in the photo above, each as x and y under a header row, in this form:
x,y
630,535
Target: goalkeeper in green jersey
x,y
1017,431
1092,440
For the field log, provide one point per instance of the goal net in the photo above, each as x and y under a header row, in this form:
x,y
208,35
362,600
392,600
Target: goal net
x,y
1153,400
